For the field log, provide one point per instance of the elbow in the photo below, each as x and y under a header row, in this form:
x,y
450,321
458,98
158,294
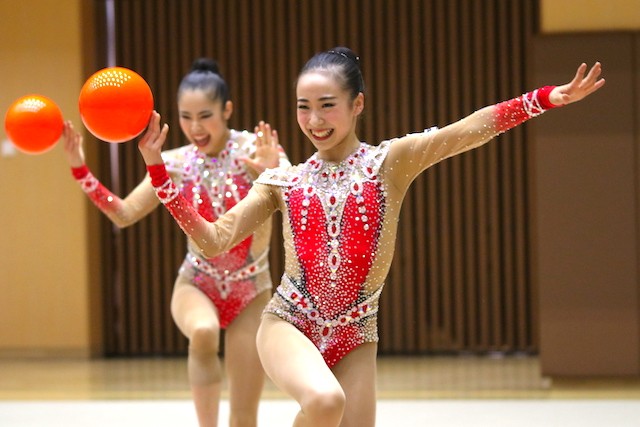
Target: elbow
x,y
121,222
121,225
207,251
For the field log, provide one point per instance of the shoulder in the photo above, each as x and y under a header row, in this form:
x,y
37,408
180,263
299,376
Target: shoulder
x,y
175,157
282,176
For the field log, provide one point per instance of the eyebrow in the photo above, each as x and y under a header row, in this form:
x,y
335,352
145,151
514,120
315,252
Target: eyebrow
x,y
197,113
322,98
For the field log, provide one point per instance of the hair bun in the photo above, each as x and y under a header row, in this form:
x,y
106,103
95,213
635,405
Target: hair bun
x,y
205,65
347,53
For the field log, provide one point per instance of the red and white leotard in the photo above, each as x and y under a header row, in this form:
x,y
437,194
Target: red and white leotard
x,y
211,185
340,222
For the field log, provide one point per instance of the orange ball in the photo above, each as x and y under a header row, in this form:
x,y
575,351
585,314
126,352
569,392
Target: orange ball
x,y
33,123
115,104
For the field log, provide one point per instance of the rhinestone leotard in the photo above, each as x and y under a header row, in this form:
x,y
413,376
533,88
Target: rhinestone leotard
x,y
214,185
340,223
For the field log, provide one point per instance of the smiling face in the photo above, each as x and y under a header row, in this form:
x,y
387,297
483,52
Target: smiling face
x,y
204,122
328,115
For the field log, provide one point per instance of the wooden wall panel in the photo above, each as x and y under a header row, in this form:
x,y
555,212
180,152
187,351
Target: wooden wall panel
x,y
585,167
460,279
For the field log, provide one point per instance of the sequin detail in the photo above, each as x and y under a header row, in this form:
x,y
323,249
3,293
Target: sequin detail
x,y
223,279
213,184
167,192
531,104
89,183
335,212
324,327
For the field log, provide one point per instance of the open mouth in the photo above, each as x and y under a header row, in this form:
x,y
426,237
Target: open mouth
x,y
201,141
321,135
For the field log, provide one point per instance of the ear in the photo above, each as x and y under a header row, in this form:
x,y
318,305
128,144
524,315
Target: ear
x,y
228,110
358,104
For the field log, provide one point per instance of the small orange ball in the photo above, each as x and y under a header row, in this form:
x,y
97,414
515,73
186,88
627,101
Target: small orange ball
x,y
115,104
34,123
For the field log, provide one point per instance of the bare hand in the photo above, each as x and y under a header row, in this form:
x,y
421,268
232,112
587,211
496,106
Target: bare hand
x,y
578,88
73,145
150,145
268,150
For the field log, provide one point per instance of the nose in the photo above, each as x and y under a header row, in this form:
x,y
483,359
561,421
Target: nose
x,y
315,118
195,125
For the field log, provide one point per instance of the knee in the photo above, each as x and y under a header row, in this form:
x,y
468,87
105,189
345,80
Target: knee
x,y
326,405
204,341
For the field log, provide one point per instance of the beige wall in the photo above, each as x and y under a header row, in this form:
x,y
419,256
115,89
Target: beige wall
x,y
44,259
589,15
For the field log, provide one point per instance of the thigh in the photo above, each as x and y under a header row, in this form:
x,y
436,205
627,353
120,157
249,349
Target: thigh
x,y
245,373
291,360
191,308
356,373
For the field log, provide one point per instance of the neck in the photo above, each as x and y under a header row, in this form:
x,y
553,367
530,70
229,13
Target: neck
x,y
341,151
216,147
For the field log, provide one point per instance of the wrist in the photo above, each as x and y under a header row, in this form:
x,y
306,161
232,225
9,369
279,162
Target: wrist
x,y
158,174
80,172
544,99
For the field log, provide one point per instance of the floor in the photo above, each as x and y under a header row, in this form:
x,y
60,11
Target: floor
x,y
417,391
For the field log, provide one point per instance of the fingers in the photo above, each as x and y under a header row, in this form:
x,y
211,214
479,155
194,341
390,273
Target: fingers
x,y
71,137
579,74
153,128
265,136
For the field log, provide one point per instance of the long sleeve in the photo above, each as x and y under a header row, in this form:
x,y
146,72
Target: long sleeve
x,y
417,152
140,202
229,229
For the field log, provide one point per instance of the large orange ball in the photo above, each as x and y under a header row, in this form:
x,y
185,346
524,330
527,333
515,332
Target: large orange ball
x,y
115,104
33,123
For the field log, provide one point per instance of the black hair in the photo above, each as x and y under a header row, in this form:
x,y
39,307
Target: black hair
x,y
343,63
205,75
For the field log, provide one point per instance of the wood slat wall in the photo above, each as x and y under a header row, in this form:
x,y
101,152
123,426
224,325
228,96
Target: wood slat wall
x,y
460,281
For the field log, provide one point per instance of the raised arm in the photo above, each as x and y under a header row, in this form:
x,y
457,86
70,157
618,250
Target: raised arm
x,y
419,151
122,212
212,238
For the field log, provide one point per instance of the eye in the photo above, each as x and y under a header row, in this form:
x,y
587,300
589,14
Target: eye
x,y
206,115
328,105
303,107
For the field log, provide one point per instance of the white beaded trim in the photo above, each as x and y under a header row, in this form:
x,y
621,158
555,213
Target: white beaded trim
x,y
89,183
167,191
532,106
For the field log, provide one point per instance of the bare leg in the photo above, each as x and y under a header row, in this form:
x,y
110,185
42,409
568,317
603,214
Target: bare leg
x,y
245,373
357,375
295,365
197,318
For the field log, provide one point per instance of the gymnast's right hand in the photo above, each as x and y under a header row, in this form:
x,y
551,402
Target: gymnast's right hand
x,y
73,145
151,143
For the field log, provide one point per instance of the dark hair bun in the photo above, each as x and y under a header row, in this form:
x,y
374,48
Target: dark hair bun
x,y
345,51
204,65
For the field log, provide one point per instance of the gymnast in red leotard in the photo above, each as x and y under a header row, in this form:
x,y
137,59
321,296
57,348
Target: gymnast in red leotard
x,y
227,291
317,339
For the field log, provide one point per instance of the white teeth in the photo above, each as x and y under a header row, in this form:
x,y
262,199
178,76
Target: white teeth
x,y
321,134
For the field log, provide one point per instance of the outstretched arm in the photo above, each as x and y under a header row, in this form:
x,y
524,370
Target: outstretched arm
x,y
419,151
122,212
212,238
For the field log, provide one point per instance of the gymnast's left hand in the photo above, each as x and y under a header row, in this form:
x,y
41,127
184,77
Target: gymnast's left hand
x,y
267,154
150,145
580,87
